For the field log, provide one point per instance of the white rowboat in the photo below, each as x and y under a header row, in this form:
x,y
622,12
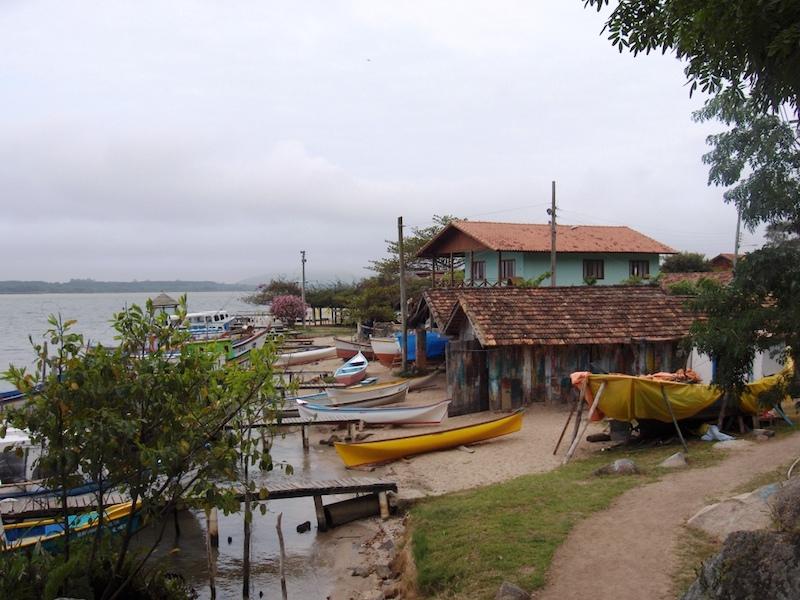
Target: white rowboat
x,y
430,414
353,371
369,395
303,356
386,350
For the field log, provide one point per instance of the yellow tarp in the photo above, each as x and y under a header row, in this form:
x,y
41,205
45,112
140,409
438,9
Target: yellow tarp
x,y
626,397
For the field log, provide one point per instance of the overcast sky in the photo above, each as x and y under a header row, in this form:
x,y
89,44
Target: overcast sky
x,y
215,140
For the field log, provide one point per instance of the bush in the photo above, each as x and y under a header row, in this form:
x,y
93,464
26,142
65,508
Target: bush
x,y
288,308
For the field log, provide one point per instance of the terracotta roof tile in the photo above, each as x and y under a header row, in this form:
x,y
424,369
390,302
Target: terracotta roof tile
x,y
572,315
530,237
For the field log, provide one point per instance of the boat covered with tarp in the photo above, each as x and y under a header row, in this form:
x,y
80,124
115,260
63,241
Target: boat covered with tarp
x,y
629,397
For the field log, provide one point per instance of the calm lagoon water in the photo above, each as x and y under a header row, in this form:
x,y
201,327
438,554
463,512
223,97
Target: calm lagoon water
x,y
307,574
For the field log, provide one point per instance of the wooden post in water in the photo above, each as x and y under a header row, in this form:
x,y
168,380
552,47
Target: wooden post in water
x,y
212,525
284,593
322,520
212,567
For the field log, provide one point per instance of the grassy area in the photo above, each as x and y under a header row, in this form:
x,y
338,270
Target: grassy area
x,y
466,544
693,548
326,331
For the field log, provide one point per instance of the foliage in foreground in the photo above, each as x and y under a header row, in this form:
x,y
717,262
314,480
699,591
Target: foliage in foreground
x,y
156,418
43,576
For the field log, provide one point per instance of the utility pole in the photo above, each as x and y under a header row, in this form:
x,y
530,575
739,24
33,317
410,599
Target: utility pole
x,y
736,245
552,212
303,283
403,309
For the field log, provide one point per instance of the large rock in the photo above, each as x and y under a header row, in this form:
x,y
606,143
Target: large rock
x,y
752,565
786,506
676,461
745,512
509,591
622,466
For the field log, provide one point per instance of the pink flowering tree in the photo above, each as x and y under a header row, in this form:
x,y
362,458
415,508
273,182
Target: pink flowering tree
x,y
288,309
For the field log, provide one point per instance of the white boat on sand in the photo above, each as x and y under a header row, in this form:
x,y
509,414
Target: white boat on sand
x,y
386,350
369,395
301,356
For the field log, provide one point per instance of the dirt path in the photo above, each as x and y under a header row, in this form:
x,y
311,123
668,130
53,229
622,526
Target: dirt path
x,y
628,551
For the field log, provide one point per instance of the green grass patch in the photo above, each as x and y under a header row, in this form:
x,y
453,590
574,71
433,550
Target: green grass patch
x,y
693,548
466,544
326,331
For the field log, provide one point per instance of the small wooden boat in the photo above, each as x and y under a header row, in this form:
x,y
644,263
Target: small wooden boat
x,y
349,348
239,352
364,453
430,414
368,395
353,371
386,350
305,355
49,532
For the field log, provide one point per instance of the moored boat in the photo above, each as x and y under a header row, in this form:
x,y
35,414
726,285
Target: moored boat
x,y
386,350
305,355
429,414
369,395
353,371
349,348
49,532
364,453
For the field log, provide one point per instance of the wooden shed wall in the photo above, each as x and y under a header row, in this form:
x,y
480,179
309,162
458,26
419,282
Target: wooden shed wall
x,y
514,376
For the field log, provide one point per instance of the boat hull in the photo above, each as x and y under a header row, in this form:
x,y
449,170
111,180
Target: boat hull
x,y
386,350
365,453
353,371
369,395
346,349
302,357
431,414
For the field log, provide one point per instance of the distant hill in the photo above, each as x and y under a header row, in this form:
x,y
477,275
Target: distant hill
x,y
90,286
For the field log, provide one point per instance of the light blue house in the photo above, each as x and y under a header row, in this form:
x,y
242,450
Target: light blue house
x,y
499,253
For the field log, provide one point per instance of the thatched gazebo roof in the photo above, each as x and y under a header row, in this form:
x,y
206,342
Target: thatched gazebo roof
x,y
164,301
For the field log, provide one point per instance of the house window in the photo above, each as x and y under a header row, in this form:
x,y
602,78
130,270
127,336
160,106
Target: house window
x,y
479,270
640,268
593,269
508,269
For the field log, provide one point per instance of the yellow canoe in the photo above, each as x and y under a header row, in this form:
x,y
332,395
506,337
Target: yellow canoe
x,y
364,453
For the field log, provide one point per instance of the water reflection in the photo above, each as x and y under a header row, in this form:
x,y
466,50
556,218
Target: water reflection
x,y
307,574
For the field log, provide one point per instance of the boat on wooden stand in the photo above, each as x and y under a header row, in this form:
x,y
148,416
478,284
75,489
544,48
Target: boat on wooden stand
x,y
368,395
429,414
353,371
346,349
386,350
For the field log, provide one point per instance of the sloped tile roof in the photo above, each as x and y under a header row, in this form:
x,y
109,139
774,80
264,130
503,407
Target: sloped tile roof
x,y
440,302
531,237
571,315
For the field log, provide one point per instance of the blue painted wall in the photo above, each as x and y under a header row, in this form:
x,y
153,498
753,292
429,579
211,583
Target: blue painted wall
x,y
530,265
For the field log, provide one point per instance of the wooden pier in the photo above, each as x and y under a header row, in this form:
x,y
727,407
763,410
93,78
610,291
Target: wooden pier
x,y
48,506
305,424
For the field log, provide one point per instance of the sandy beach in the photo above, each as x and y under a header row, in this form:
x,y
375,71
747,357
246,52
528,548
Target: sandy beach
x,y
371,545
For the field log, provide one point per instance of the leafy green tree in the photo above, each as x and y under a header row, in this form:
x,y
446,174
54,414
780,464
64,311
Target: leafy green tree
x,y
759,156
266,292
727,44
685,262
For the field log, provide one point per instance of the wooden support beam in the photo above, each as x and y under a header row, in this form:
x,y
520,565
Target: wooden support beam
x,y
351,430
674,420
571,412
383,500
576,440
322,520
304,432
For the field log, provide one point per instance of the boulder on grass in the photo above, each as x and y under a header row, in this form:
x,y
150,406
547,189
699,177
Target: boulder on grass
x,y
676,461
622,466
509,591
752,565
745,512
